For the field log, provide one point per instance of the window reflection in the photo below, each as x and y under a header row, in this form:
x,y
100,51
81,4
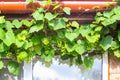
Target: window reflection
x,y
58,70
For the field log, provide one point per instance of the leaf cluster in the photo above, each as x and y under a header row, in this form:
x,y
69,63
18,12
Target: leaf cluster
x,y
49,34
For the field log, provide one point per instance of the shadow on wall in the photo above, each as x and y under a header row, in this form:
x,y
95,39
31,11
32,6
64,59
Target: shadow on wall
x,y
5,75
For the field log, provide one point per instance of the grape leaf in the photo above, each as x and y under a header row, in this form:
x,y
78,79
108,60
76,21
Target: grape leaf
x,y
18,43
106,42
36,39
47,53
2,34
75,24
94,38
80,47
36,28
22,56
117,53
45,41
3,47
9,38
29,1
16,23
58,24
85,29
1,64
107,14
49,16
115,45
2,19
71,36
9,25
27,23
88,62
70,46
107,21
38,16
27,44
67,10
79,60
13,67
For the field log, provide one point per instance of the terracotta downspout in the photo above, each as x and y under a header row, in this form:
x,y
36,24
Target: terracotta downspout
x,y
23,7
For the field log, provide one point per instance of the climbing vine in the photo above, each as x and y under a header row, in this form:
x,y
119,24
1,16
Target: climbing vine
x,y
49,34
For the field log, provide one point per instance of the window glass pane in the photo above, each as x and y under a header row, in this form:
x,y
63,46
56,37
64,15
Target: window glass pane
x,y
61,70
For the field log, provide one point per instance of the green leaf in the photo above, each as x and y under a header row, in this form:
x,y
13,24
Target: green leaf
x,y
44,3
119,35
67,10
94,38
45,41
29,1
108,22
36,39
27,23
38,16
47,53
49,16
116,10
2,34
9,25
115,45
85,29
18,43
56,6
3,47
106,42
117,53
16,23
22,56
88,62
114,26
40,10
36,28
22,35
9,38
27,44
98,28
70,46
99,19
60,34
1,64
71,35
75,24
58,24
79,60
13,67
99,14
80,47
2,19
107,14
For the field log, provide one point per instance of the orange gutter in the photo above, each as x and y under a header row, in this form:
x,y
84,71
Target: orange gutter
x,y
76,6
13,6
86,5
11,0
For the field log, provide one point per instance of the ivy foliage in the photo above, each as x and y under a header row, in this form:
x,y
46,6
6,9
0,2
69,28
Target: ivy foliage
x,y
49,34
